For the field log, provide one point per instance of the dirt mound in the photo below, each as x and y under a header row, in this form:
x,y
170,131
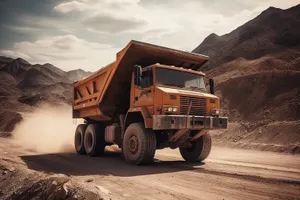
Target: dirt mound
x,y
41,186
282,136
267,96
265,109
274,30
283,61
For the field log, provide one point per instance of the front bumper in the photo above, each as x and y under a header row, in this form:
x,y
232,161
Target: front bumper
x,y
165,122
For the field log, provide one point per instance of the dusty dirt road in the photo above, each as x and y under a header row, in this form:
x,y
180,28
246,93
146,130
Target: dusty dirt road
x,y
227,174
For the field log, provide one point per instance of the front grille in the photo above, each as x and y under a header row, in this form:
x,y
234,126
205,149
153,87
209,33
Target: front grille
x,y
198,105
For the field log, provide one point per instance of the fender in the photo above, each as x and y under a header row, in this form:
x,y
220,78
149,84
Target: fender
x,y
132,116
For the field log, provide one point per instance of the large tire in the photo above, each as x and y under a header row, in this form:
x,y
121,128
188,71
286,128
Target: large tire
x,y
139,144
79,139
94,142
199,150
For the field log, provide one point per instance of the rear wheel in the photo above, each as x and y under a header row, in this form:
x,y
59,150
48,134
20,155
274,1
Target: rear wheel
x,y
79,138
139,144
94,142
199,150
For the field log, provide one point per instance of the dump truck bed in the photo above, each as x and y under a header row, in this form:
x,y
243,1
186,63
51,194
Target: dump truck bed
x,y
105,93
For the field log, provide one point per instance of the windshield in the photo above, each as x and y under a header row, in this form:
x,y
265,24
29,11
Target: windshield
x,y
179,78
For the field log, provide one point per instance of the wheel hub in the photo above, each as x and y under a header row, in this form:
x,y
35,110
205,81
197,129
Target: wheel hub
x,y
133,144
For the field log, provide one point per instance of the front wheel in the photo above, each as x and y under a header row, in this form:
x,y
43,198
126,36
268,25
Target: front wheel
x,y
199,150
139,144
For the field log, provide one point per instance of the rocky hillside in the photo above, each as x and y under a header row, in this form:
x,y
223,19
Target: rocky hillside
x,y
24,86
273,31
257,72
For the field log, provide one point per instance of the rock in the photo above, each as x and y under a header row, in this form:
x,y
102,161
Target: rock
x,y
54,183
59,193
65,187
52,187
89,180
12,169
4,172
104,190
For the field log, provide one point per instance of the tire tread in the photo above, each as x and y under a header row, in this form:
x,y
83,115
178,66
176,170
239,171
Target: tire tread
x,y
201,151
99,143
148,141
80,130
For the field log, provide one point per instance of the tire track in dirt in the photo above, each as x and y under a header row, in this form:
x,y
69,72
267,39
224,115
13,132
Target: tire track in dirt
x,y
236,174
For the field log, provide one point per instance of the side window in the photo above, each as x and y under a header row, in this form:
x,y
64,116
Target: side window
x,y
147,78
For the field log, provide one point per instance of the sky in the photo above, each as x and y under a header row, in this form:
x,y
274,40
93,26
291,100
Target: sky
x,y
87,34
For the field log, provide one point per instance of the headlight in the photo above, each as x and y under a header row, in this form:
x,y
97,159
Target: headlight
x,y
170,109
216,112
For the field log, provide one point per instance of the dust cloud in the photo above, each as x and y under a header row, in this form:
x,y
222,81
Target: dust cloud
x,y
48,129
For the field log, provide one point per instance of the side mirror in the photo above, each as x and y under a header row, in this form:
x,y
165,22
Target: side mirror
x,y
212,86
137,70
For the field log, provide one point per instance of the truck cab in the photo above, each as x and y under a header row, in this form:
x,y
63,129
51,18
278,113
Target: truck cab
x,y
163,106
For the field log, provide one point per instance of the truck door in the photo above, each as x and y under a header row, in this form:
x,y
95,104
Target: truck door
x,y
143,96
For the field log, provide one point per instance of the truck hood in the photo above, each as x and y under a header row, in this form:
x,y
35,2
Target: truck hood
x,y
186,92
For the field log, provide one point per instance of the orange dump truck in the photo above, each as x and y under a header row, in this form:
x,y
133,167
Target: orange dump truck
x,y
150,98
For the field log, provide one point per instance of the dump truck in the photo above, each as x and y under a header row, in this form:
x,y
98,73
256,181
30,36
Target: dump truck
x,y
149,98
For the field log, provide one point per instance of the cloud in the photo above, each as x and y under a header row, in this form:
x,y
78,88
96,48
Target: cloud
x,y
71,6
93,5
75,33
109,23
67,52
170,23
13,54
106,16
22,29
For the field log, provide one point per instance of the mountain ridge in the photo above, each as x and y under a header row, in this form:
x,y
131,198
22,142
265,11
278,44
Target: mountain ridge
x,y
262,33
18,66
